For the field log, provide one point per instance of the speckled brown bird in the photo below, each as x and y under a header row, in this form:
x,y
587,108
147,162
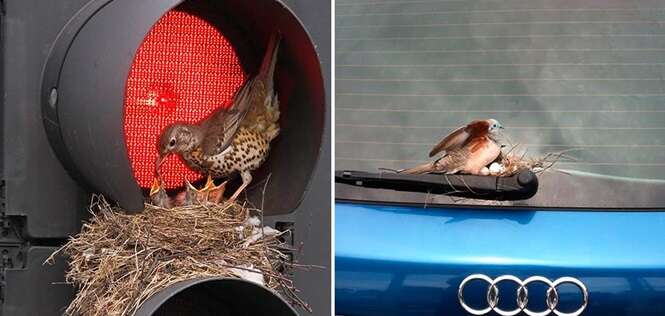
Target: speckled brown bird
x,y
468,149
233,140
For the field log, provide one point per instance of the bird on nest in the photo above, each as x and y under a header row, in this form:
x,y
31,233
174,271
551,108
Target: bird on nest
x,y
233,140
468,149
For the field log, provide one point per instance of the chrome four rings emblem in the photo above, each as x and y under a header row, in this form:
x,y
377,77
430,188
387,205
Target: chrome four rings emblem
x,y
551,299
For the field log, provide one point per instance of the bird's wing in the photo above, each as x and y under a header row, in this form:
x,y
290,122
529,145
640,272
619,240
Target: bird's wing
x,y
454,140
248,104
222,126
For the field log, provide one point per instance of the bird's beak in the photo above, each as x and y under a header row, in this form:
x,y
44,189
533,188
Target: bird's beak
x,y
154,189
189,186
159,162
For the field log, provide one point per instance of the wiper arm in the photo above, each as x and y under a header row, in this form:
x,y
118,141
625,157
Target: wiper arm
x,y
517,187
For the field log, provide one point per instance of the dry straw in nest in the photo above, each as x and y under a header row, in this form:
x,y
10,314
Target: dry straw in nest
x,y
119,260
512,162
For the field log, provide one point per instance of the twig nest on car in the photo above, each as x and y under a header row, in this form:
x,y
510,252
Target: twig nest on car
x,y
511,162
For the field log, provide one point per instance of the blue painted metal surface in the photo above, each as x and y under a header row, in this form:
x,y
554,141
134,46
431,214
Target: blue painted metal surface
x,y
394,260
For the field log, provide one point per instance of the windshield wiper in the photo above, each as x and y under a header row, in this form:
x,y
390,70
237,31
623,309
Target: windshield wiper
x,y
517,187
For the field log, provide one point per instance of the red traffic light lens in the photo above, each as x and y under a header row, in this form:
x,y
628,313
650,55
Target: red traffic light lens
x,y
183,70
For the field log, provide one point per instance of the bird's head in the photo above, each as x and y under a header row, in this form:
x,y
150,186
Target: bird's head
x,y
494,128
489,127
177,139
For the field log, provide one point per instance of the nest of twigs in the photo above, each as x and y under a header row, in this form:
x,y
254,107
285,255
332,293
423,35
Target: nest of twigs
x,y
119,260
512,162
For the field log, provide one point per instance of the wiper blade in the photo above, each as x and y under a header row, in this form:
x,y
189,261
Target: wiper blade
x,y
517,187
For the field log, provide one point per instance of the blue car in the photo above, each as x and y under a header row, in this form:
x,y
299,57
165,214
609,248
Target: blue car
x,y
393,259
578,86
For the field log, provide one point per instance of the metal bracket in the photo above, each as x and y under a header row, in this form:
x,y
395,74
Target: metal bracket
x,y
287,238
12,244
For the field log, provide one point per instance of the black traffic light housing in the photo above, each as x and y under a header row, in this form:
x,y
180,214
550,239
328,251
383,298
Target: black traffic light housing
x,y
65,66
85,79
193,297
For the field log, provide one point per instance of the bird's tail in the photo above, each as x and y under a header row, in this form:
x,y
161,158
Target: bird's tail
x,y
420,169
267,70
264,114
272,102
440,165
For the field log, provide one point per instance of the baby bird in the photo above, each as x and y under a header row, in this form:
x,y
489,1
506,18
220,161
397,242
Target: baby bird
x,y
233,140
468,149
158,196
192,196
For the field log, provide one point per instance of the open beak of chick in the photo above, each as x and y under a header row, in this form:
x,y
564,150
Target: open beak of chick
x,y
211,192
156,186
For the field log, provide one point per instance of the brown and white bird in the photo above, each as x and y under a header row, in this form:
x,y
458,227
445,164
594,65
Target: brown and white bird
x,y
233,140
468,149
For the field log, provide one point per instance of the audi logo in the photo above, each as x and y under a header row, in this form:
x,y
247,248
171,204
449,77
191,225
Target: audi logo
x,y
551,299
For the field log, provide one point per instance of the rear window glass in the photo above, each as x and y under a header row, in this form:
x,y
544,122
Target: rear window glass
x,y
585,76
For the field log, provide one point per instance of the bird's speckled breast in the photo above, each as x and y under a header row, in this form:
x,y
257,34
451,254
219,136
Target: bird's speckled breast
x,y
249,151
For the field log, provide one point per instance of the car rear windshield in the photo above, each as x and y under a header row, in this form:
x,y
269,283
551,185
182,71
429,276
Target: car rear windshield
x,y
584,77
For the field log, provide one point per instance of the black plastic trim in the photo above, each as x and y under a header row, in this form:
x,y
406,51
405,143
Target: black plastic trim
x,y
557,190
518,187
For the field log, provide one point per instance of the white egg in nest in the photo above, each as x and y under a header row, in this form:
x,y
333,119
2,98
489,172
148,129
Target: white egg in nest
x,y
496,169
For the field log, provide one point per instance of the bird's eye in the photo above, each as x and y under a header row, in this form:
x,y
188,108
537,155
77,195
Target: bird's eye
x,y
494,126
172,142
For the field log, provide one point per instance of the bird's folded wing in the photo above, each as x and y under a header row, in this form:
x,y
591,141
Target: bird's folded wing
x,y
222,126
454,140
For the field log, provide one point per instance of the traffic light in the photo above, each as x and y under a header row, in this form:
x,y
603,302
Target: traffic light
x,y
89,84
